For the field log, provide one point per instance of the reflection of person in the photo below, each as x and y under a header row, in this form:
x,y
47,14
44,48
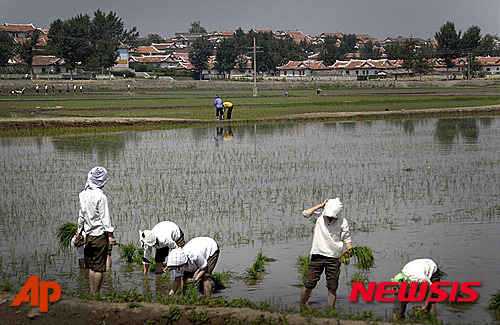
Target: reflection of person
x,y
419,270
219,108
219,135
331,232
165,236
228,109
228,133
199,254
94,219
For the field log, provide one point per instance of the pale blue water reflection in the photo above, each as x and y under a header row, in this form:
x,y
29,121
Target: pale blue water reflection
x,y
418,188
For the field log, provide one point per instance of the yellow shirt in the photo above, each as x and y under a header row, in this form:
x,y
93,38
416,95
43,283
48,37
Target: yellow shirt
x,y
227,104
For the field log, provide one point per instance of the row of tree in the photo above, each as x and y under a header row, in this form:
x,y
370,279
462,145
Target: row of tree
x,y
89,42
92,43
274,52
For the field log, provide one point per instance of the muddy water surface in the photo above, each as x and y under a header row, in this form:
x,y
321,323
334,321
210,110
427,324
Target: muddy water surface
x,y
411,189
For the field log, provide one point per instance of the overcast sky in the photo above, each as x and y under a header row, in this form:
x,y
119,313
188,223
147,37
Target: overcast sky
x,y
378,18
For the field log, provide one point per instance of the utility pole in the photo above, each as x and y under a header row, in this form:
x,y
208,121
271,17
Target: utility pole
x,y
255,94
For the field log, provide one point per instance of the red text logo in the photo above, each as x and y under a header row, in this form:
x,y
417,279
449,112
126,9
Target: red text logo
x,y
39,293
387,291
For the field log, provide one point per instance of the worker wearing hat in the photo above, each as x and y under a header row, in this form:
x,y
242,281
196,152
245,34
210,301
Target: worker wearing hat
x,y
164,237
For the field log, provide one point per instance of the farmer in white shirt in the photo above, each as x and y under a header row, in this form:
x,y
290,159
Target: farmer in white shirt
x,y
165,236
331,232
419,270
94,220
199,254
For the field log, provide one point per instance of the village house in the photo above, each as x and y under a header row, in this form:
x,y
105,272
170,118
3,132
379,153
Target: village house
x,y
301,68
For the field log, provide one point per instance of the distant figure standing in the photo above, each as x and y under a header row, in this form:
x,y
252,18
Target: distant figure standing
x,y
67,89
46,88
81,89
74,89
219,108
37,89
228,109
53,89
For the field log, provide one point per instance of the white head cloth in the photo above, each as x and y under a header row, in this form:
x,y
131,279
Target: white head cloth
x,y
97,177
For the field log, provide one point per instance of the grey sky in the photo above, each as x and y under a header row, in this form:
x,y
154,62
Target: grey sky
x,y
378,18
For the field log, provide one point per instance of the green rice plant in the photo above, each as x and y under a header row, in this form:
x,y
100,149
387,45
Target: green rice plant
x,y
255,272
302,266
172,315
363,255
199,318
65,233
359,277
131,253
495,303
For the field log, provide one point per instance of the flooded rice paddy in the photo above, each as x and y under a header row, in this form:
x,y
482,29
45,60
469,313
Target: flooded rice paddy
x,y
411,189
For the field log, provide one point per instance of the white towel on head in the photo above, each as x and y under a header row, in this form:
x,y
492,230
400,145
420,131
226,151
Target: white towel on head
x,y
97,177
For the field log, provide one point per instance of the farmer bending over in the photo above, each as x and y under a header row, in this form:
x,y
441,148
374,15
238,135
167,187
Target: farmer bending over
x,y
165,236
420,270
199,254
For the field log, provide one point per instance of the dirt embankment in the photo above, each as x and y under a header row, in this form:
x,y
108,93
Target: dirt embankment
x,y
7,124
75,311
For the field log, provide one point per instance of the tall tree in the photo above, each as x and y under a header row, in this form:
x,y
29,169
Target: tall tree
x,y
197,28
393,50
349,41
106,33
408,55
201,52
471,39
331,51
27,51
369,51
448,44
225,56
69,40
487,46
6,48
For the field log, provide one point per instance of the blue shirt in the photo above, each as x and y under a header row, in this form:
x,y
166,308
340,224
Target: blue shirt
x,y
218,103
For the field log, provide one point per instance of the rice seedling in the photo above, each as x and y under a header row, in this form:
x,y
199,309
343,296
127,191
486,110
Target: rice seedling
x,y
494,303
256,271
302,266
172,315
131,253
65,233
363,255
359,277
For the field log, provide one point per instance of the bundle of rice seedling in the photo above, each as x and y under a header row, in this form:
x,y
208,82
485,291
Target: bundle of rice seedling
x,y
65,233
363,255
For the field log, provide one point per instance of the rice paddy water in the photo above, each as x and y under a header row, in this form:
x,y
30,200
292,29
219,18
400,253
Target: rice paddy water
x,y
411,189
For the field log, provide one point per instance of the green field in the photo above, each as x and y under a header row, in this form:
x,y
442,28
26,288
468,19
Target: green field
x,y
189,101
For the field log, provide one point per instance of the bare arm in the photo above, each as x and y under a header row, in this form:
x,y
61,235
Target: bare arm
x,y
314,208
175,285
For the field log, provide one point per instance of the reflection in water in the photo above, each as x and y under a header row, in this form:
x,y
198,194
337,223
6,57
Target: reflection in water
x,y
449,130
223,133
100,144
